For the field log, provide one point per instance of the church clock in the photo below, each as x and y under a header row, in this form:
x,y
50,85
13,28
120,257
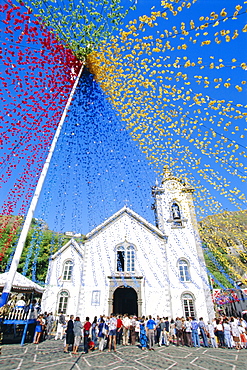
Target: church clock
x,y
172,185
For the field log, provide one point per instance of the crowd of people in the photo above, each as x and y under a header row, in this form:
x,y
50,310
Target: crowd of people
x,y
106,332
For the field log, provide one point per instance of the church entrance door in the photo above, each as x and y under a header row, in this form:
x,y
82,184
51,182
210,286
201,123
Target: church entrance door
x,y
125,301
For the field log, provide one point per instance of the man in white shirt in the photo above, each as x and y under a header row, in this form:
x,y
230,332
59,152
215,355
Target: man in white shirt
x,y
20,304
126,326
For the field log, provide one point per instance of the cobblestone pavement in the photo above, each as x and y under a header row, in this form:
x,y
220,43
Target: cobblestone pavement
x,y
49,355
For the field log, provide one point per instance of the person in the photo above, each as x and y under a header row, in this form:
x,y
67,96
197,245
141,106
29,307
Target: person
x,y
188,332
195,335
227,333
167,332
60,326
43,326
37,306
137,329
243,337
20,304
49,324
86,330
34,312
77,334
102,334
211,332
94,329
126,325
203,331
235,332
112,332
69,334
162,338
150,327
172,331
91,344
219,332
132,330
38,330
179,331
157,330
119,329
143,335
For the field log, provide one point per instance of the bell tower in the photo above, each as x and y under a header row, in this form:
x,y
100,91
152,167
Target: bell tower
x,y
176,218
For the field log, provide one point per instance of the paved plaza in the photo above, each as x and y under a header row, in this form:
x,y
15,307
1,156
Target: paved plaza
x,y
49,355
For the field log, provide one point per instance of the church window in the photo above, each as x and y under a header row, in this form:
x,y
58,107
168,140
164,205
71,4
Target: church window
x,y
63,301
183,270
188,305
120,258
67,270
126,258
130,259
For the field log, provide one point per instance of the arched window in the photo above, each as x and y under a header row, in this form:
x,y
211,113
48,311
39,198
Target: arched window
x,y
125,258
175,211
188,305
67,270
176,217
183,267
63,298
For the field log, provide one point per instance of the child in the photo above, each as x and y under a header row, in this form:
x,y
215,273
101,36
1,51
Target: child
x,y
91,344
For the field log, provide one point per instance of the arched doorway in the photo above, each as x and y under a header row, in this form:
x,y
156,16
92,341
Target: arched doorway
x,y
125,301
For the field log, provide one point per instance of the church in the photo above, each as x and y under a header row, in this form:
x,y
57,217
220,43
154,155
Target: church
x,y
128,265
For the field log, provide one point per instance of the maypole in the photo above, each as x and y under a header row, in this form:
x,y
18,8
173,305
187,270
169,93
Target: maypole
x,y
31,210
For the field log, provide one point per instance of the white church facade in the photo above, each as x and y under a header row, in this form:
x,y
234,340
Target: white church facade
x,y
128,265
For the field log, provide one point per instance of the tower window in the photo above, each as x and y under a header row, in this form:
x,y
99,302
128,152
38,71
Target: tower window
x,y
183,270
175,211
125,258
176,215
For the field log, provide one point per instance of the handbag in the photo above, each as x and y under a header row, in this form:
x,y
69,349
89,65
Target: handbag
x,y
104,330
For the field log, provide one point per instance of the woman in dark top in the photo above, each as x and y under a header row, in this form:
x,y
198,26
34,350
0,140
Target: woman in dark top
x,y
69,334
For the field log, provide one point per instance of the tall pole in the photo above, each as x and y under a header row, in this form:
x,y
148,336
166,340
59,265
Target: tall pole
x,y
30,213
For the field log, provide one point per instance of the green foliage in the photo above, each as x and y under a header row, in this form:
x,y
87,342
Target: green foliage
x,y
40,244
226,232
217,274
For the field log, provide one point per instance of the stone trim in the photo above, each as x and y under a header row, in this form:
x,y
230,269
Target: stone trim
x,y
117,281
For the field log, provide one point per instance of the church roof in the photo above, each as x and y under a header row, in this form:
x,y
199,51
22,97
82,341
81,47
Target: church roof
x,y
78,248
119,214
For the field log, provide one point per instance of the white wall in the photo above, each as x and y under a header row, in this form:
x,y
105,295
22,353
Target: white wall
x,y
55,283
100,262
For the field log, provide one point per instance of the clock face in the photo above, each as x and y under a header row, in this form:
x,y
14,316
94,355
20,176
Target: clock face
x,y
172,185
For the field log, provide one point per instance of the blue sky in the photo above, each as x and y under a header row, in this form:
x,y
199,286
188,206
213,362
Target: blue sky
x,y
97,168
